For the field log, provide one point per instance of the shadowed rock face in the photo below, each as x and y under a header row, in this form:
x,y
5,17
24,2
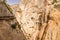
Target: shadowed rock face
x,y
8,33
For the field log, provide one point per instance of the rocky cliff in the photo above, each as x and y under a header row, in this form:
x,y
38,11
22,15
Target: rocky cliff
x,y
8,25
39,19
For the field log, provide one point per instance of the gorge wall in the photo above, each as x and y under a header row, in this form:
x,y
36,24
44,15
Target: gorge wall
x,y
39,19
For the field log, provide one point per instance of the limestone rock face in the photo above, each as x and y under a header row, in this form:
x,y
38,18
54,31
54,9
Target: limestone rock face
x,y
52,30
29,17
39,19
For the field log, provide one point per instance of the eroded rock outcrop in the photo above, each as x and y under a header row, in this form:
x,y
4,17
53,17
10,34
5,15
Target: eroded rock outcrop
x,y
39,19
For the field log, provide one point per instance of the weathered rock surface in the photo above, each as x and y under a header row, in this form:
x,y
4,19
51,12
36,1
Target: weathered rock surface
x,y
9,33
39,19
9,28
